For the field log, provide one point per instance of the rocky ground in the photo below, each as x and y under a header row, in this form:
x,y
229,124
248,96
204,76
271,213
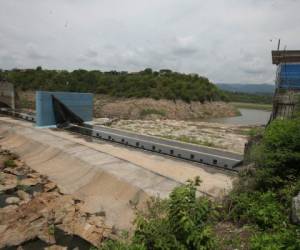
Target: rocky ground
x,y
225,136
34,214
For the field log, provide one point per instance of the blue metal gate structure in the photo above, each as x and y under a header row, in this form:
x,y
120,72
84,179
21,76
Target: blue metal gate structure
x,y
80,104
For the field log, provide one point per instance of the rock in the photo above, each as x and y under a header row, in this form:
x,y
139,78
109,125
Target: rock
x,y
12,200
8,209
91,228
33,175
14,171
8,181
29,182
55,247
296,209
3,228
96,220
47,235
23,195
50,186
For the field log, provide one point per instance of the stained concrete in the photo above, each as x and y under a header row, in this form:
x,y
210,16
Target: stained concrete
x,y
108,177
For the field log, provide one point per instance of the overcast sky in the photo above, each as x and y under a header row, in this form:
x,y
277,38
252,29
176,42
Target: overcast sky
x,y
224,40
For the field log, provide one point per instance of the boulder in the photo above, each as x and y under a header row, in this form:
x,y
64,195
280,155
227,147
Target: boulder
x,y
12,200
50,186
23,195
8,181
29,182
296,209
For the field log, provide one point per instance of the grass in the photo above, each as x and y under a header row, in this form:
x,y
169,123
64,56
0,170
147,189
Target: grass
x,y
187,139
146,112
246,105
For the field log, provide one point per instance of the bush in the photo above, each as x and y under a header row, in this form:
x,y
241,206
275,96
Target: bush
x,y
146,112
9,163
180,222
118,245
259,208
263,195
278,157
278,240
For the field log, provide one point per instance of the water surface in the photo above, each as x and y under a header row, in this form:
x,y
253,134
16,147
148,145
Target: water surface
x,y
247,117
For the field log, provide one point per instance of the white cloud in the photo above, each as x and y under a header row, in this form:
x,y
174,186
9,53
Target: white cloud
x,y
225,40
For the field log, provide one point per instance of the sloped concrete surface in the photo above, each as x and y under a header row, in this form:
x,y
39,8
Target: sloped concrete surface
x,y
107,177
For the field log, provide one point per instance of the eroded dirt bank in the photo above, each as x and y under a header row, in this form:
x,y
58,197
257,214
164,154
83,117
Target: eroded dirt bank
x,y
147,108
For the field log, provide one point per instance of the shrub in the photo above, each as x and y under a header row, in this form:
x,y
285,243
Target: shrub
x,y
263,195
259,208
118,245
9,163
180,222
146,112
278,157
284,239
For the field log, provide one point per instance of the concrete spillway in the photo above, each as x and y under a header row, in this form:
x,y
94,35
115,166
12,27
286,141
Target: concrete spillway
x,y
108,177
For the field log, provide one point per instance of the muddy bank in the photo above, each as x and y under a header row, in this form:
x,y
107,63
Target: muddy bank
x,y
147,108
35,214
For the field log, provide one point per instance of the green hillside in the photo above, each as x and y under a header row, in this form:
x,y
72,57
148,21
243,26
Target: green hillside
x,y
163,84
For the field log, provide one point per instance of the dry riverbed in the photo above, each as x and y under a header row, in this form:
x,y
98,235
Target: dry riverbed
x,y
225,136
34,214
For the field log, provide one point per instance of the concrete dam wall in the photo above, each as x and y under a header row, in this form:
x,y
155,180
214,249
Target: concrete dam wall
x,y
108,178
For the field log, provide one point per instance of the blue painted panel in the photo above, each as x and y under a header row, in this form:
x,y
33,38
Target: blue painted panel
x,y
289,76
80,103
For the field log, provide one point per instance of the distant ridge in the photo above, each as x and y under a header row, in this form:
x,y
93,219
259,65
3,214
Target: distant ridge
x,y
247,88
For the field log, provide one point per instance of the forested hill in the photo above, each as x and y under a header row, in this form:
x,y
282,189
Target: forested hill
x,y
247,88
163,84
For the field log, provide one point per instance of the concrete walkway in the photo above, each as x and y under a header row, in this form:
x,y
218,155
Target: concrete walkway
x,y
108,177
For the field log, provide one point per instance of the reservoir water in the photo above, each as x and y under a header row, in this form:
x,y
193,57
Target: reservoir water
x,y
247,117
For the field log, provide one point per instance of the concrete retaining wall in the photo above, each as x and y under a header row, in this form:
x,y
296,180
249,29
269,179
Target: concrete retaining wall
x,y
107,177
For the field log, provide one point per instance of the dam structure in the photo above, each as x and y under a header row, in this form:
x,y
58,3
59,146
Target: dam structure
x,y
286,100
111,170
60,109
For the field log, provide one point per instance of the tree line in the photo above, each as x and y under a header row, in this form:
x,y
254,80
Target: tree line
x,y
262,98
163,84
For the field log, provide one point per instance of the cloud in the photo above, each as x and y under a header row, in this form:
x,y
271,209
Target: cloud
x,y
35,54
224,40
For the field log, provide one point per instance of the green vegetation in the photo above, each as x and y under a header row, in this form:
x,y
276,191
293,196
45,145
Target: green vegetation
x,y
163,84
181,222
9,163
51,229
250,98
146,112
263,195
259,206
189,139
246,105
